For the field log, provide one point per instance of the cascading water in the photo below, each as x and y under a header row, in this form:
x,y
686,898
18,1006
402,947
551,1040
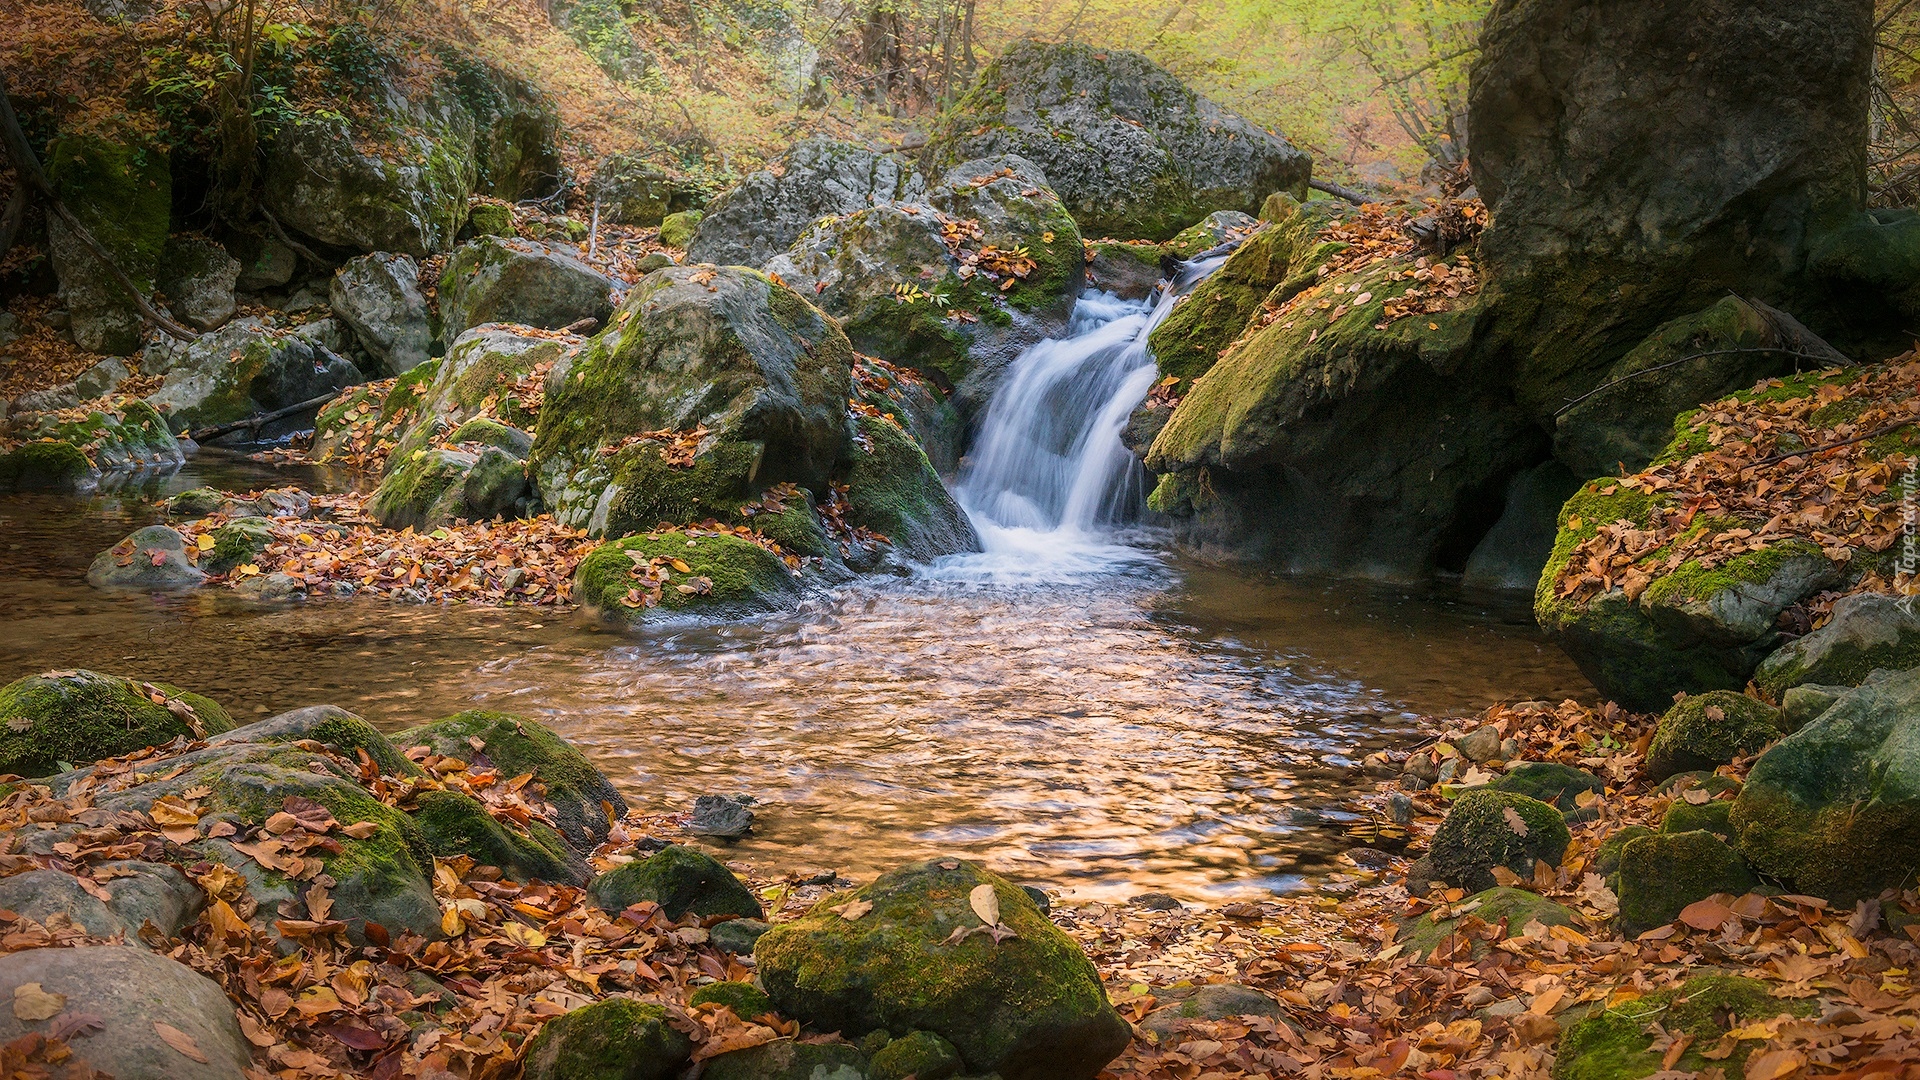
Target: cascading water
x,y
1048,473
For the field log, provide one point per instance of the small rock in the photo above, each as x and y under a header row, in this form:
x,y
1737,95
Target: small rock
x,y
155,558
1400,808
680,880
1215,1001
615,1039
1489,828
1040,898
1480,744
198,278
737,935
1157,901
725,817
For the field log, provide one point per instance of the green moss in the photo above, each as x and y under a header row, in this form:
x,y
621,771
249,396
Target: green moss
x,y
1598,503
122,193
1516,908
489,432
1606,861
1711,783
517,745
79,717
744,576
1692,582
745,999
43,464
421,490
652,493
894,490
1710,816
1618,1044
679,879
491,219
456,824
1189,342
1705,731
1549,782
237,542
335,728
677,229
196,503
796,528
615,1039
1663,873
1479,834
920,1055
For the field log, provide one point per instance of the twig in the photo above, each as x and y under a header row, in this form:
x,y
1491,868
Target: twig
x,y
1885,429
1337,191
593,233
1795,353
257,422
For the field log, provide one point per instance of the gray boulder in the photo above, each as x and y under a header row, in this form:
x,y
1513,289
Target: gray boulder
x,y
198,278
154,557
501,280
1132,150
379,297
131,991
140,893
243,369
122,194
489,371
631,190
1868,631
265,263
436,487
765,213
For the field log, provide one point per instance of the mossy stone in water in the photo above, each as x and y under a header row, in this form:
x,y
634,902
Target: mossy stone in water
x,y
79,717
1550,782
236,543
615,1039
745,999
1661,874
1479,834
1618,1043
743,577
1708,730
45,464
919,1055
581,795
1028,1007
1424,933
680,880
456,824
894,491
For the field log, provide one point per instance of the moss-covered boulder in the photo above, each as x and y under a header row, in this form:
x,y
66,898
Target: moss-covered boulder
x,y
1027,1006
1216,312
66,718
1420,935
455,824
615,1039
1212,1002
332,727
743,370
435,487
1486,828
1129,269
1217,229
1606,859
637,580
1712,816
122,193
819,177
916,404
1868,632
677,229
583,799
959,284
1705,731
55,451
503,280
236,543
679,879
787,1060
745,999
919,1055
1661,874
1549,782
1132,150
241,370
490,372
1834,808
893,490
1620,1043
154,558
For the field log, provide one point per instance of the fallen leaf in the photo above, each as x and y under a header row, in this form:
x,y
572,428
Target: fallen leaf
x,y
1515,822
180,1041
31,1002
985,903
852,909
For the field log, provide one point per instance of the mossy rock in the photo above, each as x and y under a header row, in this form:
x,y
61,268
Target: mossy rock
x,y
1549,782
457,824
894,491
57,453
485,431
1606,860
1711,783
788,1060
61,719
122,193
679,879
583,798
329,726
1661,874
491,219
1214,1001
1026,1007
1834,809
919,1055
1711,816
1479,834
615,1039
433,488
1424,933
1868,632
196,502
1706,731
44,465
236,543
1618,1044
745,999
742,577
1217,311
677,229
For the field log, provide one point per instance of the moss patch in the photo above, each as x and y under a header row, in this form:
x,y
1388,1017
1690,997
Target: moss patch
x,y
79,717
679,879
745,999
1515,907
580,793
1663,873
615,1039
1618,1044
456,824
1705,731
744,577
1479,834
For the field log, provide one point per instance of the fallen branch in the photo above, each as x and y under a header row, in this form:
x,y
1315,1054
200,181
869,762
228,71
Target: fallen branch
x,y
1337,191
26,166
1885,429
257,422
1795,353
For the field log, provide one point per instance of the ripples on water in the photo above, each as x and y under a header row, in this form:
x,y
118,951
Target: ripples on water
x,y
1087,714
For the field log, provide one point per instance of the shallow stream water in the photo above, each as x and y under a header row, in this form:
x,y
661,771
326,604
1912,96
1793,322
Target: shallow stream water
x,y
1075,706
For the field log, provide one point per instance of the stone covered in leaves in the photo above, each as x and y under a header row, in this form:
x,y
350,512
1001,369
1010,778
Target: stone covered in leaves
x,y
680,879
745,999
1516,908
79,717
72,448
1549,782
615,1039
243,369
912,951
692,571
584,801
153,558
1661,874
1489,828
1619,1044
1708,730
1834,808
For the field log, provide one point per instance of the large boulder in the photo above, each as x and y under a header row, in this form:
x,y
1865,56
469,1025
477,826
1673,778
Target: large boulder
x,y
1868,632
66,718
243,369
1625,194
122,194
1660,875
198,277
490,373
1834,808
1025,1005
766,212
378,296
893,490
51,450
753,378
135,997
1132,150
584,801
942,285
1705,731
498,280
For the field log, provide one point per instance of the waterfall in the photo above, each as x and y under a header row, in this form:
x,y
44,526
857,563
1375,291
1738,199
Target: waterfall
x,y
1048,469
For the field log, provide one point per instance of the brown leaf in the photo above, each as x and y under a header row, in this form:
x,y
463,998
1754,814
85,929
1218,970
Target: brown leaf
x,y
31,1002
852,910
1515,822
1708,914
180,1041
985,903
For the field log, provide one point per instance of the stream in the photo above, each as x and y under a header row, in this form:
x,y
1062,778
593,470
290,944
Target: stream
x,y
1076,705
